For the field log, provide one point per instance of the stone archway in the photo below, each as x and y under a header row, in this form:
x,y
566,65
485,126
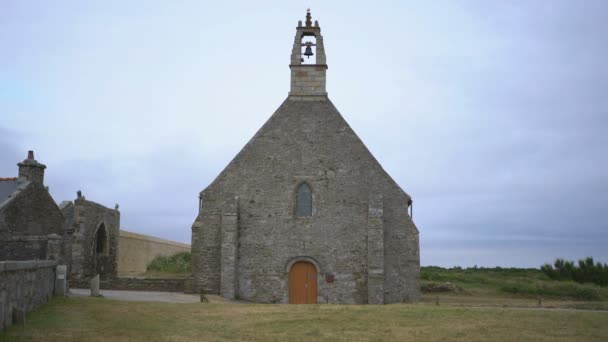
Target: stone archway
x,y
100,251
294,260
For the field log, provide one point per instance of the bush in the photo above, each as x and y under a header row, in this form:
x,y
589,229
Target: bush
x,y
564,289
176,263
586,272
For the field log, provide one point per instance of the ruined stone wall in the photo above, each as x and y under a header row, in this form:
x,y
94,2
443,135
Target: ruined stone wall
x,y
135,251
84,219
24,285
307,141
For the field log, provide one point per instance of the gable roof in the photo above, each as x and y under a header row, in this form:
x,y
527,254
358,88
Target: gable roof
x,y
298,135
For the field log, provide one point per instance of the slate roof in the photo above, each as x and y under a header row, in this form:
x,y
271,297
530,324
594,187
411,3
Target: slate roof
x,y
7,187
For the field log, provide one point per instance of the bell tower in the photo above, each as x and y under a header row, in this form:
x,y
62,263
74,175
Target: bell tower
x,y
308,78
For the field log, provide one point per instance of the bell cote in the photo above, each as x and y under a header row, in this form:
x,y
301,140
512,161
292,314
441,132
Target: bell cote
x,y
308,63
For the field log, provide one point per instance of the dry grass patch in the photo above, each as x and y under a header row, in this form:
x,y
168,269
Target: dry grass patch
x,y
92,319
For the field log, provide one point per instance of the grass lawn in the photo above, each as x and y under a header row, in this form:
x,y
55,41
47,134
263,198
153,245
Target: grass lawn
x,y
96,319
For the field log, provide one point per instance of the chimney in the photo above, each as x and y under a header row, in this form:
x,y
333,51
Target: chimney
x,y
32,170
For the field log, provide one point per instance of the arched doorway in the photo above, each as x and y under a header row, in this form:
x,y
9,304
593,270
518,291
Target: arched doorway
x,y
303,283
101,241
100,250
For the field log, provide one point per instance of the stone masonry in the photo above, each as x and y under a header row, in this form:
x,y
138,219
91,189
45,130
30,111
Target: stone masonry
x,y
82,235
24,286
95,232
359,236
308,81
30,221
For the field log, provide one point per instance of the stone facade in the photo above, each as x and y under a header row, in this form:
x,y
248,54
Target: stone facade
x,y
24,286
94,231
360,236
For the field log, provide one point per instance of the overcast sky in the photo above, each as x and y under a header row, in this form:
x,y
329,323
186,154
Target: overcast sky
x,y
492,115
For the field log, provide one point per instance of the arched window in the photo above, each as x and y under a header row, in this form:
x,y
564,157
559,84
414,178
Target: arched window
x,y
304,200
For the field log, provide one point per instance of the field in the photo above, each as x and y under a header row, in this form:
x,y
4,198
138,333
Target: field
x,y
475,304
97,319
510,287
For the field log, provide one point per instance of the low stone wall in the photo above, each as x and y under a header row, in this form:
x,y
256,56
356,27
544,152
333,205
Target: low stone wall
x,y
135,284
135,251
24,285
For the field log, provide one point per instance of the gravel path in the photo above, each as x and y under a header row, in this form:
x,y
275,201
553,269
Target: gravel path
x,y
147,296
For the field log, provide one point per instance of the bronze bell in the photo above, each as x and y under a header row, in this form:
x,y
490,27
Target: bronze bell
x,y
308,51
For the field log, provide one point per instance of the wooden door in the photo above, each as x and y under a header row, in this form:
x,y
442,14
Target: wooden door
x,y
303,283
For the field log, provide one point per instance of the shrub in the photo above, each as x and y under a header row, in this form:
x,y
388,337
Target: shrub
x,y
176,263
563,289
586,272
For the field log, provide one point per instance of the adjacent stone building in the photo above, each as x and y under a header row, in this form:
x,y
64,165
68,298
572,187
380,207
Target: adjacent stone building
x,y
31,224
305,213
82,234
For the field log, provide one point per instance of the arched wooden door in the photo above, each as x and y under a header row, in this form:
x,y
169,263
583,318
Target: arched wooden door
x,y
303,283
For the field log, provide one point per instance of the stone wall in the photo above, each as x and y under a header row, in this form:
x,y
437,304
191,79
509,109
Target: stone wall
x,y
24,285
135,284
135,251
24,248
84,220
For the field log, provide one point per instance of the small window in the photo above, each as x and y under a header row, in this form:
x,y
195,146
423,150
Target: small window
x,y
304,200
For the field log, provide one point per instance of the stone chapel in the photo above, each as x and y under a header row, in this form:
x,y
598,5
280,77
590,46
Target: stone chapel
x,y
304,213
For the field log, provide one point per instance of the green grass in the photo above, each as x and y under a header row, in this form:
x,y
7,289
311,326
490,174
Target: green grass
x,y
516,281
97,319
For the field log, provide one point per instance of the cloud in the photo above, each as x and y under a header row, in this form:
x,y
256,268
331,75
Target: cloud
x,y
491,115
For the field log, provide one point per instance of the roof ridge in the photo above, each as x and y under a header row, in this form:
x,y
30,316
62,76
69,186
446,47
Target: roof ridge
x,y
8,178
